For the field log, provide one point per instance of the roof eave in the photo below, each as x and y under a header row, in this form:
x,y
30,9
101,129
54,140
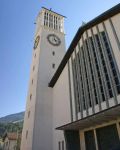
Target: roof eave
x,y
109,13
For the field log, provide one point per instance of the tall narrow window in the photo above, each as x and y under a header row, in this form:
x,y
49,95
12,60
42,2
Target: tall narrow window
x,y
53,66
59,145
26,134
63,145
30,96
53,53
104,67
28,114
33,68
111,59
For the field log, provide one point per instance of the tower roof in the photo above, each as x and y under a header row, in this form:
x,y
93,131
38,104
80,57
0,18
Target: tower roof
x,y
53,11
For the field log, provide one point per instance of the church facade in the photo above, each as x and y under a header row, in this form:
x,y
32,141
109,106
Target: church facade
x,y
74,97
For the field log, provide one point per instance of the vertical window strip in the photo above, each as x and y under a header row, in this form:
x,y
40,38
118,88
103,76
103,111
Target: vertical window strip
x,y
81,85
69,78
87,73
103,66
85,93
94,77
86,80
78,80
95,80
94,93
99,69
111,89
89,69
112,67
115,71
106,72
74,83
98,73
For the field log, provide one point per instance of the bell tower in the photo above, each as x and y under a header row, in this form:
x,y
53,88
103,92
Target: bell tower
x,y
48,51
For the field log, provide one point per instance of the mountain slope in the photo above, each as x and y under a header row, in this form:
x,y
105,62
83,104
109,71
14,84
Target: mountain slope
x,y
12,118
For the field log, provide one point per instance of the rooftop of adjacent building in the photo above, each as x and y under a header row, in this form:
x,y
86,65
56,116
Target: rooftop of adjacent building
x,y
12,136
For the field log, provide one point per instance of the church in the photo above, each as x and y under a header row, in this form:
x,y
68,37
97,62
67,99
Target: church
x,y
73,99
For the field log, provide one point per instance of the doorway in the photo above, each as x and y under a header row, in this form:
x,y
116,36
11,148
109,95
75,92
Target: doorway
x,y
72,139
108,138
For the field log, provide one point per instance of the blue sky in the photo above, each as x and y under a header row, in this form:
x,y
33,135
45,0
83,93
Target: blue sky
x,y
17,27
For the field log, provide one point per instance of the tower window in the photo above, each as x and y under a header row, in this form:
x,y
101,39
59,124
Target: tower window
x,y
30,96
53,65
26,134
32,81
33,68
28,114
53,53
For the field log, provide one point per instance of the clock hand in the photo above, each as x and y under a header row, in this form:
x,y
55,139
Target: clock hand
x,y
55,39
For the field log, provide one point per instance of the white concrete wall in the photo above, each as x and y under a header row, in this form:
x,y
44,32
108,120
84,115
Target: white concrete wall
x,y
26,143
44,102
61,106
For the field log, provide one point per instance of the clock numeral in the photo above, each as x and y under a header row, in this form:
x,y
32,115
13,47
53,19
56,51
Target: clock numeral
x,y
36,41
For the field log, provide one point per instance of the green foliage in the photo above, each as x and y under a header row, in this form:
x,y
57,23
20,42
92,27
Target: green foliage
x,y
10,127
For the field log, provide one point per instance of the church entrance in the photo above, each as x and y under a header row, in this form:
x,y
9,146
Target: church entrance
x,y
72,140
108,138
90,140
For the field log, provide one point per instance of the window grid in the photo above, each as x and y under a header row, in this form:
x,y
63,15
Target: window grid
x,y
84,86
80,83
52,21
105,68
81,79
97,68
91,74
77,81
96,87
77,88
86,75
111,62
74,83
100,71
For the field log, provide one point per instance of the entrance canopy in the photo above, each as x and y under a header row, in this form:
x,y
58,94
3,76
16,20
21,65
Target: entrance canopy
x,y
107,115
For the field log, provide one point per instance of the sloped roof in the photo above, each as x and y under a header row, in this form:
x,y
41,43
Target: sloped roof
x,y
12,136
111,12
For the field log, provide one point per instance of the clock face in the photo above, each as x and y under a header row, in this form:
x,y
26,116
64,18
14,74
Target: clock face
x,y
36,41
54,39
